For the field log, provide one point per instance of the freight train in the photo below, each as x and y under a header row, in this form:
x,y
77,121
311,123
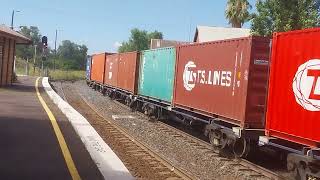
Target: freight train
x,y
247,91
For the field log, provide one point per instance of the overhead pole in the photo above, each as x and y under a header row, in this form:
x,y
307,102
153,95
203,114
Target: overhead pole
x,y
12,16
55,50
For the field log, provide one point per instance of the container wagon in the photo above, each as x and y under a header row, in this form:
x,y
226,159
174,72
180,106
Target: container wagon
x,y
224,84
88,69
121,76
97,70
111,70
293,113
156,79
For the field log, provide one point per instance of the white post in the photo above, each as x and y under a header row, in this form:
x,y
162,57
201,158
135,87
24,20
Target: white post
x,y
27,66
34,60
42,68
14,64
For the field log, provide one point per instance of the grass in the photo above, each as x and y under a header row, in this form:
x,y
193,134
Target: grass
x,y
67,75
21,68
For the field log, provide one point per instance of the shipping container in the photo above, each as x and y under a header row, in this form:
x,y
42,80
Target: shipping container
x,y
224,79
97,67
293,111
111,70
128,71
156,74
88,68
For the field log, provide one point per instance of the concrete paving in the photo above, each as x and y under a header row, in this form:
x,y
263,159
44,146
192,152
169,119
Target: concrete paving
x,y
29,148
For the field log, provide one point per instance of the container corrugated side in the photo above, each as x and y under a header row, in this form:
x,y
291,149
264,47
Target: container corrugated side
x,y
294,87
88,68
111,70
128,71
156,74
97,67
212,79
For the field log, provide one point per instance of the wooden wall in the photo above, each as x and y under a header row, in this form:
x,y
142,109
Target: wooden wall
x,y
7,53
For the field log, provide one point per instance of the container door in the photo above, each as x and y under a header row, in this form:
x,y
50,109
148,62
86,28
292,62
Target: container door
x,y
157,74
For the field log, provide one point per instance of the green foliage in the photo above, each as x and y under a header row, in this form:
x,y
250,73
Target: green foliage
x,y
71,56
139,40
27,51
284,15
237,12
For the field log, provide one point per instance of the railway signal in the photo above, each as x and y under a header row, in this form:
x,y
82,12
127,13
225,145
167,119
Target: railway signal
x,y
44,41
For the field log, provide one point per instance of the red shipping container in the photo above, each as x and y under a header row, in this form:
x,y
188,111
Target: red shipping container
x,y
128,71
225,79
97,67
294,89
111,70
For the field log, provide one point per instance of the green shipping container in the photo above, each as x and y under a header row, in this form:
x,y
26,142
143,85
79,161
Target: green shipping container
x,y
156,74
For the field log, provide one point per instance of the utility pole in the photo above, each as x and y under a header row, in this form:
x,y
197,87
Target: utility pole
x,y
34,59
55,51
12,17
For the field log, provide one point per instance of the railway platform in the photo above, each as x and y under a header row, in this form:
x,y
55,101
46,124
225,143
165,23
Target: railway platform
x,y
36,139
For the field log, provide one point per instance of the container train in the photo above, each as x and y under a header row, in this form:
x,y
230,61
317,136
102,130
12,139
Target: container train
x,y
247,91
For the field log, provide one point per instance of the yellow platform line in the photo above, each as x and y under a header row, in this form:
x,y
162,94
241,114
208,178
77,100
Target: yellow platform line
x,y
63,145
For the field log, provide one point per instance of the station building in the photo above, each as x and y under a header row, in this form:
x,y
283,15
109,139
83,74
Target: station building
x,y
8,41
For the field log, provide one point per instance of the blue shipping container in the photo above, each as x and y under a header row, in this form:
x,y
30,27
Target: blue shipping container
x,y
88,68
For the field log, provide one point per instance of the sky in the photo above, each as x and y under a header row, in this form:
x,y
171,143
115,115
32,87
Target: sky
x,y
103,24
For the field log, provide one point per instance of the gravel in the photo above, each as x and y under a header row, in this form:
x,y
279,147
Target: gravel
x,y
200,163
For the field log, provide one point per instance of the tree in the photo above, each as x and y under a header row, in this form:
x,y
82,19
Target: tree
x,y
237,12
33,33
139,40
71,55
284,15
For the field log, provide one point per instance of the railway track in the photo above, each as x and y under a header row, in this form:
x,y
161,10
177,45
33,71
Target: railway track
x,y
153,165
141,150
242,165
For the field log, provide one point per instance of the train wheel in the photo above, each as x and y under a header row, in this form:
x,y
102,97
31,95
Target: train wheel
x,y
214,138
134,105
241,147
158,114
112,95
127,101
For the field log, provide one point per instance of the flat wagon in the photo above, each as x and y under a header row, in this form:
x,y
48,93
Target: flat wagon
x,y
156,79
121,76
226,83
293,113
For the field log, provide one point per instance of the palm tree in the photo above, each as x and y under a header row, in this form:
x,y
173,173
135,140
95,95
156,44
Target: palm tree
x,y
237,12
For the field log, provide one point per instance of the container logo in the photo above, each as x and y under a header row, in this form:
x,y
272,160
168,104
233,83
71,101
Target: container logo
x,y
193,75
306,85
189,85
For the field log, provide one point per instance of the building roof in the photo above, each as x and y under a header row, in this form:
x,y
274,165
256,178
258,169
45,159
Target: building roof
x,y
161,43
207,33
8,32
